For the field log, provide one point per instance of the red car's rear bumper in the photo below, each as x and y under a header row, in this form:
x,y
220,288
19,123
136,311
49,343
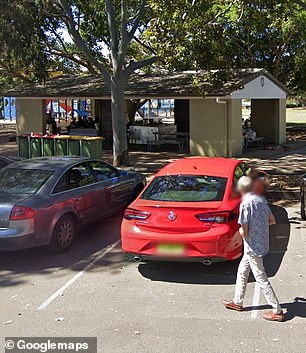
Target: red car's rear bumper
x,y
217,244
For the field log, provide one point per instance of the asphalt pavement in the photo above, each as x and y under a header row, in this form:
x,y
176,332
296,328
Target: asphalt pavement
x,y
157,307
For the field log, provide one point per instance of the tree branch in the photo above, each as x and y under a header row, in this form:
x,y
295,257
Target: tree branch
x,y
69,21
137,19
111,18
238,43
124,34
71,57
136,65
146,46
302,3
53,30
222,13
182,20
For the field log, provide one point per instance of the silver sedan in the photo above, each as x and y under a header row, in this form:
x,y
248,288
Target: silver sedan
x,y
45,201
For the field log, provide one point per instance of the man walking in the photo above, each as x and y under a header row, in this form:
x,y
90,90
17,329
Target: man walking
x,y
254,219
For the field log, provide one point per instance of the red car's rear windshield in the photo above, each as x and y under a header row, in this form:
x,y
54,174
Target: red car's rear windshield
x,y
186,188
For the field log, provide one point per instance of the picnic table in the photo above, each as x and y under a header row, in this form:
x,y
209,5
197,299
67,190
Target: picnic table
x,y
170,138
256,140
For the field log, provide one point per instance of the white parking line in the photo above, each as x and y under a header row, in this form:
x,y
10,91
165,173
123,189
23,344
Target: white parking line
x,y
77,276
255,301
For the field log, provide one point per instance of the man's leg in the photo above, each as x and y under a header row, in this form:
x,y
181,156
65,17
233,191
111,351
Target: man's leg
x,y
261,278
242,280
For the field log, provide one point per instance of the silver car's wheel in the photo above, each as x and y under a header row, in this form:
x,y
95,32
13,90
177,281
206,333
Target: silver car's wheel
x,y
63,234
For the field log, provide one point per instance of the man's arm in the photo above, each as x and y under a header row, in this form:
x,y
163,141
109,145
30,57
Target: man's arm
x,y
272,219
243,220
243,230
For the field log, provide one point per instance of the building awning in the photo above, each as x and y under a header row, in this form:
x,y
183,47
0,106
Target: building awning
x,y
187,84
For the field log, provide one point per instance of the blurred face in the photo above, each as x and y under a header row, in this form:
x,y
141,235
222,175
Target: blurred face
x,y
241,192
259,186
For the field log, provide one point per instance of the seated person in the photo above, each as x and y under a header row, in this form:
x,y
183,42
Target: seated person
x,y
90,123
73,124
51,123
80,123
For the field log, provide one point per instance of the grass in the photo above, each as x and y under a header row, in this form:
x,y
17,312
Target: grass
x,y
296,116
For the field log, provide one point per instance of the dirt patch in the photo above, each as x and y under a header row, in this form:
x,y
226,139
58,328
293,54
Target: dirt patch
x,y
296,133
284,182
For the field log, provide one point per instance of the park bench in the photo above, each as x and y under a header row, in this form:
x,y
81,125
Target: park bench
x,y
168,139
257,140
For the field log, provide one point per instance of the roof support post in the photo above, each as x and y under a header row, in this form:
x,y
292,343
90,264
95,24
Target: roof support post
x,y
225,102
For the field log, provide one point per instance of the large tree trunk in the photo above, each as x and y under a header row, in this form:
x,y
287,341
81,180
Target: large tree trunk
x,y
120,148
131,110
132,107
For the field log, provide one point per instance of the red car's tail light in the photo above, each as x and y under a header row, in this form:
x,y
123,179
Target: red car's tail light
x,y
21,213
216,217
131,214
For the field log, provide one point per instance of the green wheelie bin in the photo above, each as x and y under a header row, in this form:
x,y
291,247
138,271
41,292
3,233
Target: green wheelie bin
x,y
91,147
35,145
61,145
24,146
48,145
74,146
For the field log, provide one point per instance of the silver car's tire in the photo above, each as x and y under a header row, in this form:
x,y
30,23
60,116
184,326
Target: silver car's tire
x,y
63,234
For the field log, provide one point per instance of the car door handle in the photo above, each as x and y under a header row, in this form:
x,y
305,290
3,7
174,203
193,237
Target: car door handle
x,y
77,199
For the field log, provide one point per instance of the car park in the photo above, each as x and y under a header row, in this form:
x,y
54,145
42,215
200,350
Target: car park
x,y
45,201
188,211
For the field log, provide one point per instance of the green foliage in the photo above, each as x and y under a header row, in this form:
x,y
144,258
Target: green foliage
x,y
232,34
270,35
21,42
181,32
185,34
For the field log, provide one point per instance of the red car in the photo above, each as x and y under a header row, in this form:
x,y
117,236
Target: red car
x,y
188,211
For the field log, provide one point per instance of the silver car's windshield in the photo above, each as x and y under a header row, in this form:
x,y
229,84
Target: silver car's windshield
x,y
23,181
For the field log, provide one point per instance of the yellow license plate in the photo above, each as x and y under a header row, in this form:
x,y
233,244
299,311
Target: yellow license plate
x,y
171,249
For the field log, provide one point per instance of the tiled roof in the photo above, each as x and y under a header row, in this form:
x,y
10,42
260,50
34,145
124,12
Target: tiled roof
x,y
162,84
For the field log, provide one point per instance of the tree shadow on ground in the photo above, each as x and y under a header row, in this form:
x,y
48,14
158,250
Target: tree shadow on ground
x,y
225,272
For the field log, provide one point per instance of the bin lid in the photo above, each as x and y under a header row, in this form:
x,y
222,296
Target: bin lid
x,y
36,135
76,137
93,138
49,136
30,135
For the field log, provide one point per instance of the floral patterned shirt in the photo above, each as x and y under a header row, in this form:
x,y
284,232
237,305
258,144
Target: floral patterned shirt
x,y
255,212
